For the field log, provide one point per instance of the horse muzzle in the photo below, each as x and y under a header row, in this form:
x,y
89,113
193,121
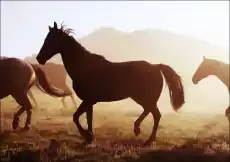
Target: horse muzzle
x,y
195,81
40,61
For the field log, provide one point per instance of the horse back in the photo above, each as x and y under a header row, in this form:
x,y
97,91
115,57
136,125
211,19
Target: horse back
x,y
15,74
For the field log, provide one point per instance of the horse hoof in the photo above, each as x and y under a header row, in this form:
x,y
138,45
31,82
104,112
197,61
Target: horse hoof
x,y
15,123
137,131
89,137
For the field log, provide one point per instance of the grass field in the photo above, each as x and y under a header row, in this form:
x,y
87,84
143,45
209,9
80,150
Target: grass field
x,y
182,137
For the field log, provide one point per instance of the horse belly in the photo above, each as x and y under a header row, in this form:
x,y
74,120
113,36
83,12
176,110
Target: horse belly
x,y
111,95
123,89
118,84
14,75
100,92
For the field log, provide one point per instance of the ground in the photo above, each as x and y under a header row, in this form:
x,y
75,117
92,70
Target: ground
x,y
182,137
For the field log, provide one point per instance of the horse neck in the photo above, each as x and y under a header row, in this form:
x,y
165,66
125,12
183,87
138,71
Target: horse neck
x,y
73,57
221,71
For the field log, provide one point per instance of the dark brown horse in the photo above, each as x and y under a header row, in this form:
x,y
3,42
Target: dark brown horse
x,y
57,75
16,78
96,79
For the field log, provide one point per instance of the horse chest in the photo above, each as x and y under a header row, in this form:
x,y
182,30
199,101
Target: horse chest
x,y
81,90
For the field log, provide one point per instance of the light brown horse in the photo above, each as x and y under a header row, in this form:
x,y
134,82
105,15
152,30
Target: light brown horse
x,y
16,78
216,68
57,75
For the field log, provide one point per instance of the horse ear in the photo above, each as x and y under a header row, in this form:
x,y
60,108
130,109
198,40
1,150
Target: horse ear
x,y
50,28
55,25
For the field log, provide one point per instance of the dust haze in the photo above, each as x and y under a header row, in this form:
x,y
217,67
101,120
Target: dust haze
x,y
201,116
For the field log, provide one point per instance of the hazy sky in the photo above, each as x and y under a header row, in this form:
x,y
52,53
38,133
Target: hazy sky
x,y
24,25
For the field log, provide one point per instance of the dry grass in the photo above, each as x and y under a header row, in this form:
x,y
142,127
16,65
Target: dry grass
x,y
54,137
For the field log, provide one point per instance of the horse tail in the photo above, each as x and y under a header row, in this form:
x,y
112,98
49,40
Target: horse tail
x,y
72,98
176,90
44,84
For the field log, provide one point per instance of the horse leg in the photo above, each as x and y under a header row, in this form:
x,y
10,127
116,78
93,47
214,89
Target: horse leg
x,y
28,118
16,120
89,115
81,109
137,123
32,97
227,113
26,106
156,117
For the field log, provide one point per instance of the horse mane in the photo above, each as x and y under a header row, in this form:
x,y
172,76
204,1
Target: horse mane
x,y
69,31
217,61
